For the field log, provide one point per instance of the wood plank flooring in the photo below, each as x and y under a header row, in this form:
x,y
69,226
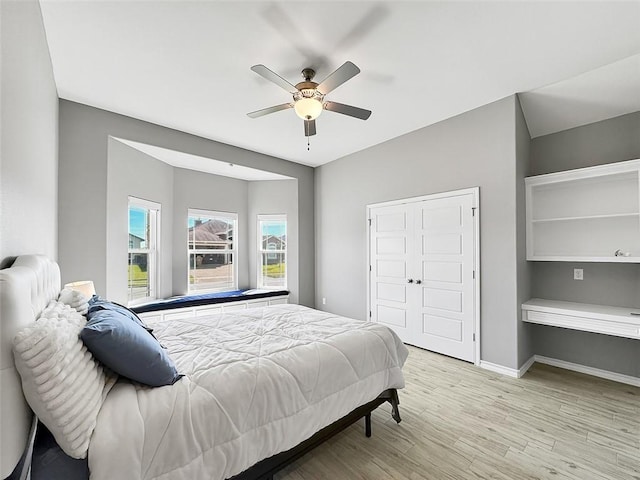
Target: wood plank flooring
x,y
463,422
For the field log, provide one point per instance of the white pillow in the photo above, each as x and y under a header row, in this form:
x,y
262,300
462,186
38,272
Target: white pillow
x,y
75,300
62,382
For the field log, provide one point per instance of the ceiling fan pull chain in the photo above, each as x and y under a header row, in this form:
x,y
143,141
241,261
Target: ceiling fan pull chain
x,y
307,144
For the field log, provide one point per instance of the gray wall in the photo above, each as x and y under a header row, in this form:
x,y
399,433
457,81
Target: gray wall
x,y
276,197
477,148
608,141
131,172
84,133
603,142
29,133
523,143
207,192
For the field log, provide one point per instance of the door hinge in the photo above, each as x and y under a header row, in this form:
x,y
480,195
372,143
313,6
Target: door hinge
x,y
474,337
474,274
369,267
473,211
369,222
369,313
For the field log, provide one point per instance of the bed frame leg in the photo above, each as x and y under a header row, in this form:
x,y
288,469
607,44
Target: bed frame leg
x,y
394,401
367,425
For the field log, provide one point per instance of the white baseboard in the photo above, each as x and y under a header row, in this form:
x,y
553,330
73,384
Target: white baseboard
x,y
527,365
596,372
554,362
494,367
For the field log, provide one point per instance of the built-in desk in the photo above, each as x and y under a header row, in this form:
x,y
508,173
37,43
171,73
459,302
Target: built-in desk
x,y
604,319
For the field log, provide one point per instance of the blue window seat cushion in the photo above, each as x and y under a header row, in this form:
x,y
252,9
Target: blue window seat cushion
x,y
207,299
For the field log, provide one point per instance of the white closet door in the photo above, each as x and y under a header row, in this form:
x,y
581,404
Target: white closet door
x,y
444,253
422,264
391,243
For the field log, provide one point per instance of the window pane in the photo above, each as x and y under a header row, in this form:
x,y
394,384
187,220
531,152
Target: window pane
x,y
139,276
138,227
210,234
210,271
273,270
274,235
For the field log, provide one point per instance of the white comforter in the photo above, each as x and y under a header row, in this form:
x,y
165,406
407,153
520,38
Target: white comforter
x,y
257,383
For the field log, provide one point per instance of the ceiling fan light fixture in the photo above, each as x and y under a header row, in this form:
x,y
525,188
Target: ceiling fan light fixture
x,y
308,108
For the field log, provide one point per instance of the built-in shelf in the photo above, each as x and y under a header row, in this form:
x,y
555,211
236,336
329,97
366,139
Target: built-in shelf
x,y
585,215
617,321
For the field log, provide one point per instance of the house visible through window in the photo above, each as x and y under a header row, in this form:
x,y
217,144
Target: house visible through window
x,y
144,228
212,245
272,251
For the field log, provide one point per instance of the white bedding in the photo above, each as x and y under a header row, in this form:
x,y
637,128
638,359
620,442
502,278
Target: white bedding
x,y
258,382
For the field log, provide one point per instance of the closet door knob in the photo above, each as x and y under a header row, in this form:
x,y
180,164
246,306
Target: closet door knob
x,y
410,280
418,282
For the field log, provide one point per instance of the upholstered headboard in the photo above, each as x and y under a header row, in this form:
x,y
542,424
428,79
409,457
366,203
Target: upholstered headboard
x,y
25,289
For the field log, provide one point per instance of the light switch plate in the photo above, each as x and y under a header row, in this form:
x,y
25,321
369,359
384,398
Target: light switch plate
x,y
578,274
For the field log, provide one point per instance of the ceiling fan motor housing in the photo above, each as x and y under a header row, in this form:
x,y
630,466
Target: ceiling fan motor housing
x,y
308,74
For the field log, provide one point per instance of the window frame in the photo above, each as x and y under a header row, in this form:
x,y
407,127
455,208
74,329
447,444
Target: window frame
x,y
152,251
261,251
211,214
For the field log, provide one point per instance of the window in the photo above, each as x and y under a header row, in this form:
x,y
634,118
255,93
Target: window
x,y
144,232
272,251
212,248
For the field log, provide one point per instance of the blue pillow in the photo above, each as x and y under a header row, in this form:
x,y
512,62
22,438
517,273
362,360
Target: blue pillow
x,y
97,303
128,349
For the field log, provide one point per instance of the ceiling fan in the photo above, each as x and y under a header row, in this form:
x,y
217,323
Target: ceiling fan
x,y
308,96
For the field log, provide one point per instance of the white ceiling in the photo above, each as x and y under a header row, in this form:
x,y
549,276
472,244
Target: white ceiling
x,y
202,164
186,65
602,93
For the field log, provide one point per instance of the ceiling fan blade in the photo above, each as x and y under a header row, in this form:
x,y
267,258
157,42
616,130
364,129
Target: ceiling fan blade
x,y
356,112
267,111
281,21
342,74
274,77
309,128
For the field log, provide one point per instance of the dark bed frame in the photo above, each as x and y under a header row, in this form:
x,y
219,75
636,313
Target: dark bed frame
x,y
267,468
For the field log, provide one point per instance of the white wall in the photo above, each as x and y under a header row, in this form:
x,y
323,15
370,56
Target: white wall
x,y
275,197
28,135
477,148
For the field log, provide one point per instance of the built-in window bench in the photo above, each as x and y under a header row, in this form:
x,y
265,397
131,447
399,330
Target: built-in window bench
x,y
208,304
617,321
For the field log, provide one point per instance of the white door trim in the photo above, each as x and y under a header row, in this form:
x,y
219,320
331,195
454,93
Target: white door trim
x,y
475,191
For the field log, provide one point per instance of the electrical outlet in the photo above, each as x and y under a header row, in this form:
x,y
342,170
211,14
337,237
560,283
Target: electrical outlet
x,y
578,274
324,301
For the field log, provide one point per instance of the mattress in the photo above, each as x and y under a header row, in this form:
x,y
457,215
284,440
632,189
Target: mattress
x,y
207,299
257,382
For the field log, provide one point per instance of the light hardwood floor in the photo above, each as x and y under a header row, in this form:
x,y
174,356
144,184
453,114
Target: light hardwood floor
x,y
462,422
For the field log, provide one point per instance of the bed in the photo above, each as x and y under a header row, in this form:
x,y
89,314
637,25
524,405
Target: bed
x,y
260,388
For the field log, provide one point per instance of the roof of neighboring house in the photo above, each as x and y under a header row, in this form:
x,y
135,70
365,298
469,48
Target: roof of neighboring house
x,y
210,231
275,238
